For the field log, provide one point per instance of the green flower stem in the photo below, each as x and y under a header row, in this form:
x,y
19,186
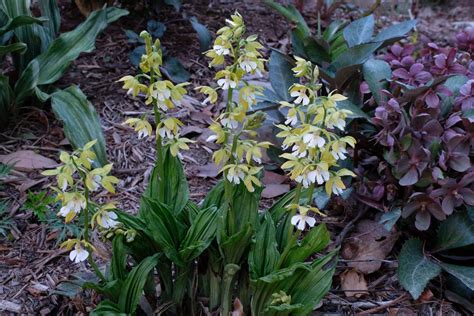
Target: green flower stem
x,y
292,237
230,270
85,234
159,145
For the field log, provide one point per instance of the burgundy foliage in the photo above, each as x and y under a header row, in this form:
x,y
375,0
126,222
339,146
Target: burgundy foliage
x,y
426,129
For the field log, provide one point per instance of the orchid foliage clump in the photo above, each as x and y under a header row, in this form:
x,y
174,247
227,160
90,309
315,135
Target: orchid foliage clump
x,y
223,250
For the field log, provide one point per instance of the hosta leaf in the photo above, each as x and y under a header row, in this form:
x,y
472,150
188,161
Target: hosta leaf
x,y
264,256
134,283
462,273
457,231
50,9
281,76
414,269
376,73
359,31
316,240
205,37
395,32
81,122
200,234
171,188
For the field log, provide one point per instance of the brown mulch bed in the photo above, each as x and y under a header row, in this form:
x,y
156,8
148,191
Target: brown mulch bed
x,y
31,266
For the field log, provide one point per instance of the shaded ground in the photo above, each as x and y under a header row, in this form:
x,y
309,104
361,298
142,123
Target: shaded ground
x,y
31,265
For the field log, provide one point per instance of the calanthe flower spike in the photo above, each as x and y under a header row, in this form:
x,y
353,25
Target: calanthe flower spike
x,y
239,56
163,95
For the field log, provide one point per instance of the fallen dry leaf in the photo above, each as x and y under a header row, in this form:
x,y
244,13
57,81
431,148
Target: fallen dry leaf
x,y
368,245
353,284
270,177
274,190
238,308
208,171
27,160
190,129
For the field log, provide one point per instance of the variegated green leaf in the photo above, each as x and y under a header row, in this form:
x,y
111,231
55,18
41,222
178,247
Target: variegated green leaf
x,y
81,122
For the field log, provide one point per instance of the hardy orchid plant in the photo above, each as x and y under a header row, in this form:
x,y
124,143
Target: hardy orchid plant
x,y
225,249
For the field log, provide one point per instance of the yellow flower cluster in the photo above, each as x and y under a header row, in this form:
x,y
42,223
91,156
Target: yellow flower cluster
x,y
76,178
310,134
238,56
161,94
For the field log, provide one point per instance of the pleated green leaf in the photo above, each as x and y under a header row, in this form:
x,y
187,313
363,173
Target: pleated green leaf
x,y
18,21
200,234
81,122
171,188
134,283
316,240
264,256
49,9
15,47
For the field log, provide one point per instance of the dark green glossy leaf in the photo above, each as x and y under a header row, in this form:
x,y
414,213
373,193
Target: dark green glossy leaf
x,y
356,111
175,71
376,73
355,56
330,33
81,122
454,83
455,232
205,37
155,28
316,50
107,308
359,31
281,76
395,32
414,269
